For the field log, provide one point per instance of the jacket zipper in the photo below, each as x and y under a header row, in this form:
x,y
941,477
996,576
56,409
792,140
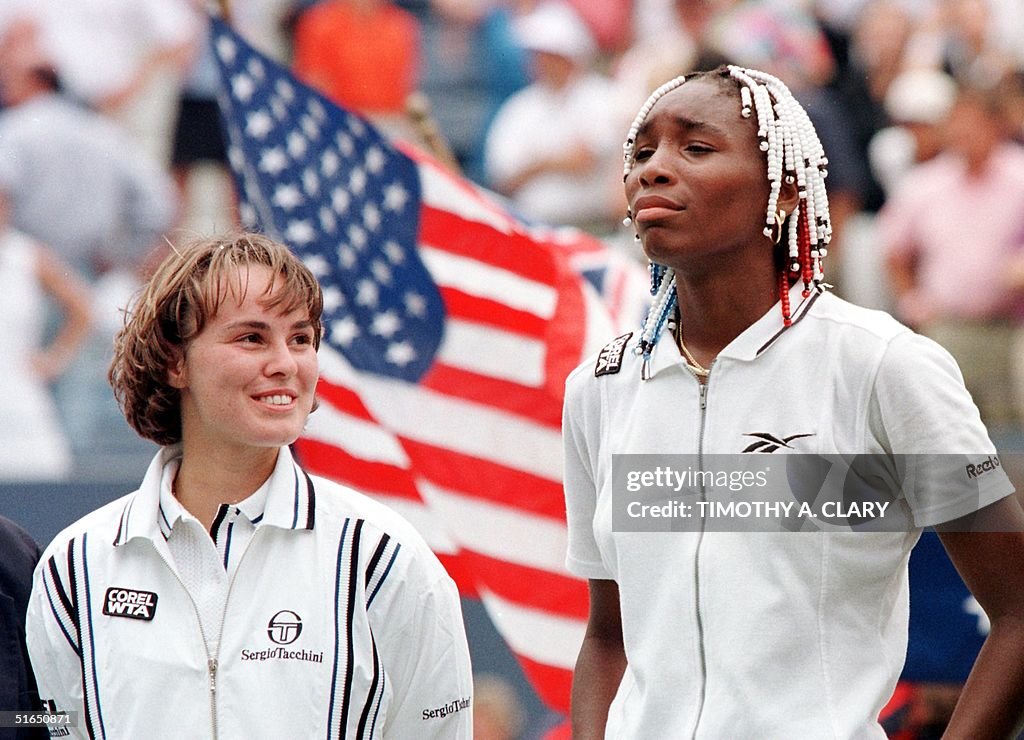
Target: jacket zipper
x,y
211,661
696,561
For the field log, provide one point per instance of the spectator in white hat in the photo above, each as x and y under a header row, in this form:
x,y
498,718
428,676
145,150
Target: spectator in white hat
x,y
553,146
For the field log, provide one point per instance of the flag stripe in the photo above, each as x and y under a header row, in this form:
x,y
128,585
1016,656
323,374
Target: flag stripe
x,y
500,531
487,480
532,587
510,357
477,277
365,475
531,403
514,252
493,313
359,437
534,634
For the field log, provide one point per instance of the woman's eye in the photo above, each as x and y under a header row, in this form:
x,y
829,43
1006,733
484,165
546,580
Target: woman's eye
x,y
303,339
698,148
643,154
249,338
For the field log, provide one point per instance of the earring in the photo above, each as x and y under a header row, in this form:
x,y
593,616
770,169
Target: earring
x,y
780,217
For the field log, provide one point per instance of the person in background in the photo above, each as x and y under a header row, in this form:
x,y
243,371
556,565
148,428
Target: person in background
x,y
552,147
33,443
80,185
700,627
952,232
232,590
362,54
18,556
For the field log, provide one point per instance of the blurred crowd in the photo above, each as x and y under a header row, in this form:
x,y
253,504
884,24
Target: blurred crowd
x,y
111,147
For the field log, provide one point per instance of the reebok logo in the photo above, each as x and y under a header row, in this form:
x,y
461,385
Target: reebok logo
x,y
125,602
990,464
767,442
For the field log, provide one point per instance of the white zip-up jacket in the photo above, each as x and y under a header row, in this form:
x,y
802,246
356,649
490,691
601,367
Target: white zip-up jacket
x,y
339,622
771,634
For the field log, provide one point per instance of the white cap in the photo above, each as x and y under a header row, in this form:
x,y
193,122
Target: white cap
x,y
556,28
920,96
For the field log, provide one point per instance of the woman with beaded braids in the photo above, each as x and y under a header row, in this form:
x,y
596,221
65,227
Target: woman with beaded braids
x,y
697,631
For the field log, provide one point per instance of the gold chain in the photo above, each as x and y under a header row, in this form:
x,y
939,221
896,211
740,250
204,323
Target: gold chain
x,y
699,370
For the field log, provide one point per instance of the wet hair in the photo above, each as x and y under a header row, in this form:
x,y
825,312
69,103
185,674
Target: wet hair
x,y
176,303
793,154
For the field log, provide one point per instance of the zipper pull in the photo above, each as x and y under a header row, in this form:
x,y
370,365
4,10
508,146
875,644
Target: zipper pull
x,y
213,675
703,396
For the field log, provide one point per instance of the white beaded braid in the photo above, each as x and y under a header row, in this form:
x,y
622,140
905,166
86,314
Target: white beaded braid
x,y
793,154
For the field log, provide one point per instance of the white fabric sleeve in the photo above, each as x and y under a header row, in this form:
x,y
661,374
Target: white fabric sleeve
x,y
583,557
52,636
922,410
422,641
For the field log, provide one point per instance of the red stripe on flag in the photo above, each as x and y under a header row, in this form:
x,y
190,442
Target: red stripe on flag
x,y
343,399
553,685
560,595
486,480
514,252
566,331
363,475
535,404
493,313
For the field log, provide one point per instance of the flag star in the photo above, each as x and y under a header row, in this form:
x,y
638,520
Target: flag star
x,y
328,222
356,125
310,181
347,257
242,87
309,127
343,331
258,124
287,197
395,197
285,90
236,157
279,109
340,200
367,293
375,160
381,272
400,353
329,163
345,144
415,304
273,161
394,252
316,264
333,299
385,324
317,111
371,217
357,181
357,236
227,49
247,215
297,144
300,231
256,69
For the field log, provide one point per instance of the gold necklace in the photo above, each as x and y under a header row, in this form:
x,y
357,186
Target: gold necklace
x,y
699,370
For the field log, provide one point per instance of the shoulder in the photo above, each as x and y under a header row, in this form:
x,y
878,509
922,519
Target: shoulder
x,y
337,502
856,320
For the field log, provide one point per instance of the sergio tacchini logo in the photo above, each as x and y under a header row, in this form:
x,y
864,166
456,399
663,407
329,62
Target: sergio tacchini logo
x,y
284,627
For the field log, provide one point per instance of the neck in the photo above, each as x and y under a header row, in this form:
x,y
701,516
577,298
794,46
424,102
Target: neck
x,y
716,307
207,480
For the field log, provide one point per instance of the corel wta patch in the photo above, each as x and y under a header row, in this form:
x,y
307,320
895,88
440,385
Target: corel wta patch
x,y
126,602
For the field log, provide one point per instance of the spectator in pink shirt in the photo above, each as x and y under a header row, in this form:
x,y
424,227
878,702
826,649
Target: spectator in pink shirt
x,y
951,232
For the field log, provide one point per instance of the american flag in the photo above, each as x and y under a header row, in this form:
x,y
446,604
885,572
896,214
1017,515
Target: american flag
x,y
450,327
